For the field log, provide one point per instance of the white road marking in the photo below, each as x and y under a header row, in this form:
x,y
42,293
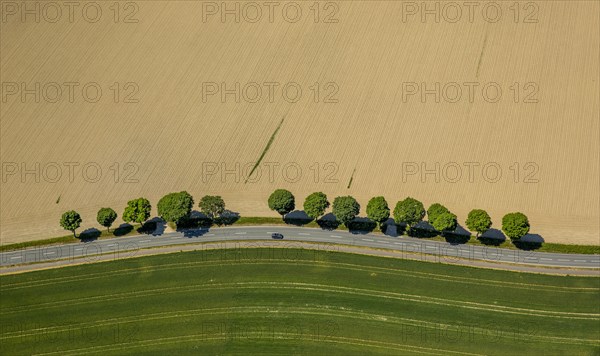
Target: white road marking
x,y
429,247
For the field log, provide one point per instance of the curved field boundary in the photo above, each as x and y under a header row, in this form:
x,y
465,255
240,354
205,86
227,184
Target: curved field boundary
x,y
343,248
347,266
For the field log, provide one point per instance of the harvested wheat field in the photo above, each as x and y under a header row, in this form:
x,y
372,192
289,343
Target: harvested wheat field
x,y
514,125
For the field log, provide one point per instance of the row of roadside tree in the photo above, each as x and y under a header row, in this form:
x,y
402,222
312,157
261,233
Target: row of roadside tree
x,y
409,212
173,208
177,207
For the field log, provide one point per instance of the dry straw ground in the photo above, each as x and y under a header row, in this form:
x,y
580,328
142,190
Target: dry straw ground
x,y
372,133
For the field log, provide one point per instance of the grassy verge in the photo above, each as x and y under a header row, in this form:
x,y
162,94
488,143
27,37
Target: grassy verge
x,y
581,249
545,247
295,301
45,242
257,221
100,235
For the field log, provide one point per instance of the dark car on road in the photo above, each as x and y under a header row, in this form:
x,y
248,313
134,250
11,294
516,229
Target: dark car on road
x,y
277,236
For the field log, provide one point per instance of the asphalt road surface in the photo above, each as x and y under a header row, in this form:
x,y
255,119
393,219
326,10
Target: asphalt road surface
x,y
260,236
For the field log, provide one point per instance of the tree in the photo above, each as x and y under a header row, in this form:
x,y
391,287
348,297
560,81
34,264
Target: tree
x,y
409,211
105,217
175,206
444,222
70,220
378,210
345,209
316,204
137,210
282,201
435,210
515,225
212,206
479,221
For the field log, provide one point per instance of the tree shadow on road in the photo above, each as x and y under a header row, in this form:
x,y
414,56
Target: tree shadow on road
x,y
390,228
147,228
529,242
89,235
123,229
328,222
297,218
492,237
198,224
421,230
160,226
227,218
196,220
189,233
459,236
361,226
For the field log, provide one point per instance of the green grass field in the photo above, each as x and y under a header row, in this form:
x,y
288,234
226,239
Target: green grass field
x,y
295,301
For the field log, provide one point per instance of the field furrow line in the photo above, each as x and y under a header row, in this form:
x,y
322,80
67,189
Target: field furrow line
x,y
313,287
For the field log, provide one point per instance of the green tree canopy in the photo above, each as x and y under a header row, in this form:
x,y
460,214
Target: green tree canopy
x,y
515,225
105,217
345,209
70,220
212,206
444,222
137,210
434,210
409,211
378,210
316,204
175,206
479,221
282,201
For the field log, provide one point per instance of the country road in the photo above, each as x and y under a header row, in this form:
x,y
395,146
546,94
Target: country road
x,y
260,236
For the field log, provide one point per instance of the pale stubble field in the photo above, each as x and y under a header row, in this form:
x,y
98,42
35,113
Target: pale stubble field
x,y
371,130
